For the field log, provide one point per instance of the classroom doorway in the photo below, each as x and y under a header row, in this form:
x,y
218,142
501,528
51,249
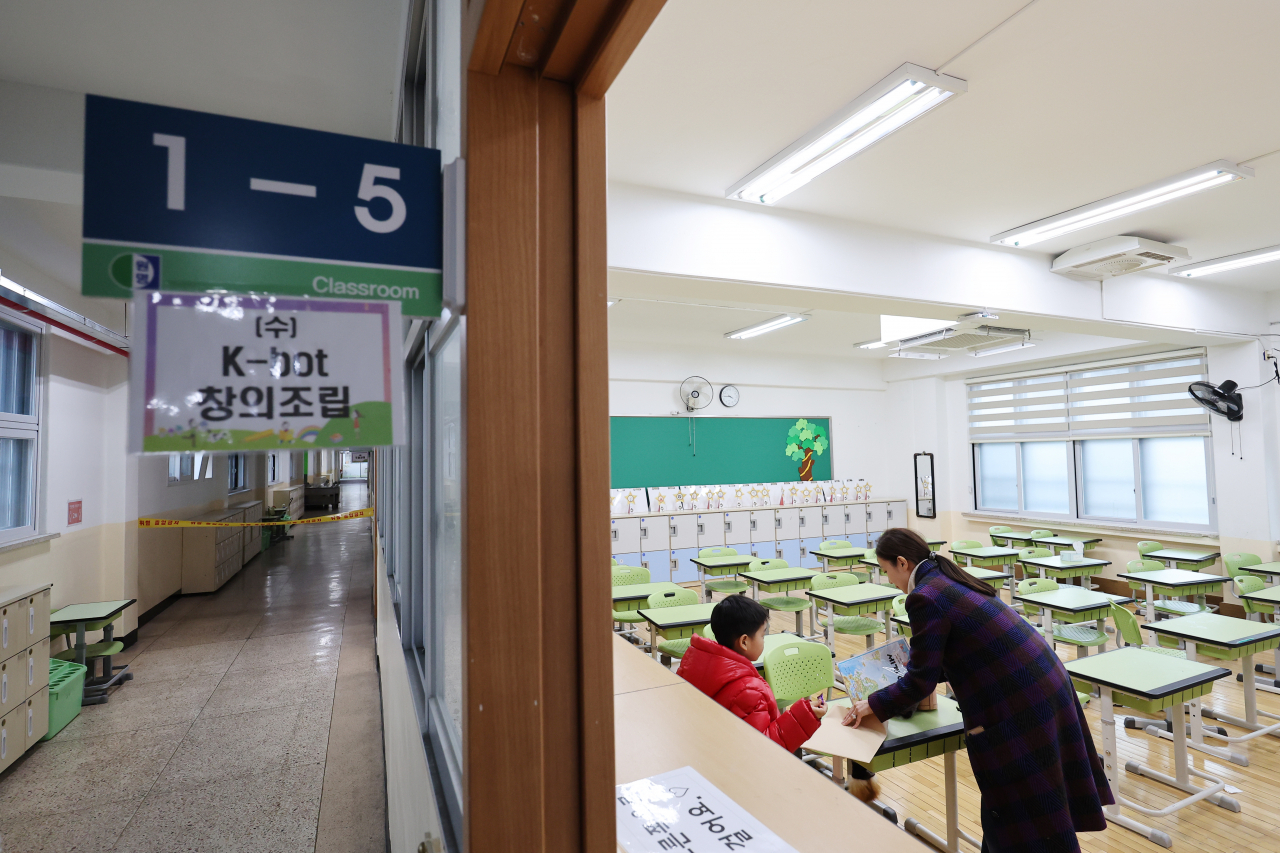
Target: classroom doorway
x,y
355,465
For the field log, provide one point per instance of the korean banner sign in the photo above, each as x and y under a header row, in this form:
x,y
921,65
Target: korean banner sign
x,y
240,373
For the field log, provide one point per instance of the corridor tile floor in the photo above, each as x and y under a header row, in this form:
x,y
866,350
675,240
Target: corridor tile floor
x,y
252,723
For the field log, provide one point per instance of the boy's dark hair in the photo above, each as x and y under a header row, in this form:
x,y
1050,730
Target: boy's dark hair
x,y
734,616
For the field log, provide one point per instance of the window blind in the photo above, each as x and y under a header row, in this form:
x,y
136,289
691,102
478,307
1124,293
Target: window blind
x,y
1127,398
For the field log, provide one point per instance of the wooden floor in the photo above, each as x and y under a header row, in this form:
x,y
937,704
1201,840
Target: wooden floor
x,y
917,789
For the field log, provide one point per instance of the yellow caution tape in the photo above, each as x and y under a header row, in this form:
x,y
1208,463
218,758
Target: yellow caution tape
x,y
175,522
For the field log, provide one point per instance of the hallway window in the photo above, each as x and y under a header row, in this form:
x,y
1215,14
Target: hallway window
x,y
235,472
19,426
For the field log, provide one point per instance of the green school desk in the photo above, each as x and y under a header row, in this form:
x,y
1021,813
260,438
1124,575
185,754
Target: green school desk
x,y
96,615
1054,567
1071,603
1149,682
626,597
718,567
901,626
1058,544
828,555
857,600
991,577
1178,558
1225,638
925,734
1177,583
674,623
1270,595
1270,571
986,557
780,581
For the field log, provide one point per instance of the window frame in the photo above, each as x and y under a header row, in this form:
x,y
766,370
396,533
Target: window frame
x,y
28,427
236,478
1076,481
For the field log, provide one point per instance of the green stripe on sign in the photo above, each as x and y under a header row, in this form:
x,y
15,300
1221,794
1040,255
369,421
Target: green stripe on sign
x,y
187,271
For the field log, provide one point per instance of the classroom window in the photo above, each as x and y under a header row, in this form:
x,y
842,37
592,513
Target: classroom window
x,y
998,476
19,426
1106,479
235,472
1175,479
1046,477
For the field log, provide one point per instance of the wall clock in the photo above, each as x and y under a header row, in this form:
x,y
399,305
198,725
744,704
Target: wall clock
x,y
729,396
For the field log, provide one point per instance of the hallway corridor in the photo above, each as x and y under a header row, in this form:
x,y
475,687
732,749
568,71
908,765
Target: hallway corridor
x,y
253,722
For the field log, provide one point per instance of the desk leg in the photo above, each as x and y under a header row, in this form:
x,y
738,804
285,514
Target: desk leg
x,y
702,584
954,833
1151,603
653,641
1046,625
755,592
80,644
831,625
825,566
1251,712
1102,629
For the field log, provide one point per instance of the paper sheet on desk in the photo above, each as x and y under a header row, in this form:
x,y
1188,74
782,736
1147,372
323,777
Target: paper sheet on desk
x,y
835,738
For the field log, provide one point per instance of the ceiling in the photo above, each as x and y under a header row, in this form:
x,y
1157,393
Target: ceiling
x,y
1069,102
324,64
693,315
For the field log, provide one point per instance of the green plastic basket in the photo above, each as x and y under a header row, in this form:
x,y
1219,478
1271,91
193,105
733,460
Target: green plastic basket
x,y
66,692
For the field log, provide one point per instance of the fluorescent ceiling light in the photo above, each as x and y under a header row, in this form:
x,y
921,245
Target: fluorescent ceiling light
x,y
902,353
1006,348
872,345
1230,262
1214,174
767,326
904,95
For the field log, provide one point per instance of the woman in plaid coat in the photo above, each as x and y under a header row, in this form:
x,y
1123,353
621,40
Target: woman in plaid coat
x,y
1028,742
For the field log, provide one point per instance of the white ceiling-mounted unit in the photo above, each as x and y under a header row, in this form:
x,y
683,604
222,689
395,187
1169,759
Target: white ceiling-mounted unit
x,y
1116,256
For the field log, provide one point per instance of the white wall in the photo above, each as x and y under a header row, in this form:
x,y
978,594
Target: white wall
x,y
643,381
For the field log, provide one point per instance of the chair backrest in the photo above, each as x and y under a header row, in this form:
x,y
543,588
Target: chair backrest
x,y
1136,566
629,575
899,606
708,633
799,669
1041,534
613,561
1033,553
1126,624
1248,583
718,552
1147,546
835,543
673,598
965,543
1033,585
998,529
1236,562
827,580
763,565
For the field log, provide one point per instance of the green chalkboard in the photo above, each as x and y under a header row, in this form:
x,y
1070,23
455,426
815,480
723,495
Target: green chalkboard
x,y
676,451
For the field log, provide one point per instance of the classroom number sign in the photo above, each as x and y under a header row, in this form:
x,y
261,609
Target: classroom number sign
x,y
681,811
236,373
179,200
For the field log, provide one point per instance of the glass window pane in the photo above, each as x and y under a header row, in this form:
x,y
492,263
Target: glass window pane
x,y
1106,478
1175,482
17,370
16,482
446,527
998,476
1046,484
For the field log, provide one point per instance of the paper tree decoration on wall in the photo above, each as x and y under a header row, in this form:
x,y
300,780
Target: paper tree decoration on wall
x,y
803,442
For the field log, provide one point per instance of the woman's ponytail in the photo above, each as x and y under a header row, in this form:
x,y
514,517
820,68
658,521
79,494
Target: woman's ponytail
x,y
900,542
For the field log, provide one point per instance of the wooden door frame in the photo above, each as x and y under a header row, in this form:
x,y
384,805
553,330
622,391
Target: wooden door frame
x,y
538,721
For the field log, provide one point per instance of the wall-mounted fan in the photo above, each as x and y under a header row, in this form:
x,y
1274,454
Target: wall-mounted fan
x,y
1220,399
696,393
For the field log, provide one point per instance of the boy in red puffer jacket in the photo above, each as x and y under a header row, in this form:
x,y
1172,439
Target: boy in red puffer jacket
x,y
724,671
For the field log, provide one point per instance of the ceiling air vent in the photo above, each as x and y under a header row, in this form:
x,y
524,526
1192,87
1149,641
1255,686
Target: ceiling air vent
x,y
1116,256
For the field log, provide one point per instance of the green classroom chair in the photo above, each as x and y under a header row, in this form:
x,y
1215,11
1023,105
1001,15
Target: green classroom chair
x,y
899,608
1165,605
1041,534
1128,633
965,543
863,576
857,626
1254,610
673,598
783,603
797,670
998,541
1147,546
1236,564
628,576
1081,634
613,561
731,586
1031,554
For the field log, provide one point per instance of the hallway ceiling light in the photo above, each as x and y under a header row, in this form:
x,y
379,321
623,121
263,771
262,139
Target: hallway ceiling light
x,y
767,326
1229,262
1006,348
906,94
1214,174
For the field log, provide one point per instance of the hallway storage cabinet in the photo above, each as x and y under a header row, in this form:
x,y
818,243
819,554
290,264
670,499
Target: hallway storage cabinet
x,y
24,669
252,535
212,555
